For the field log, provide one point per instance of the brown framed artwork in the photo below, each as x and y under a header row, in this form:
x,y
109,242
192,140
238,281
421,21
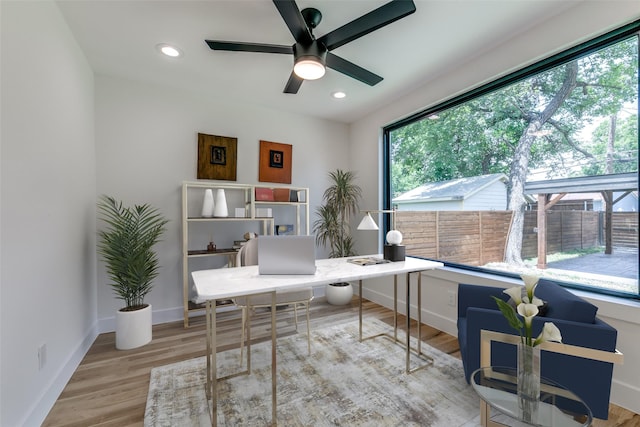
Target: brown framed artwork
x,y
275,162
217,157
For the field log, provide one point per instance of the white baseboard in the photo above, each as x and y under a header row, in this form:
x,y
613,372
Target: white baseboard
x,y
625,395
43,404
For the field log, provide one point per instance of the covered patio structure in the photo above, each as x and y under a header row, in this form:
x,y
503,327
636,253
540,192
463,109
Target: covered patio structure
x,y
604,184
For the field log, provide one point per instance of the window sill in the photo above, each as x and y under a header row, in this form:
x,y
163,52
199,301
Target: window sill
x,y
612,307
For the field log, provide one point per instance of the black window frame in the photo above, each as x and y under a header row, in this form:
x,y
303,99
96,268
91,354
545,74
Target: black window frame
x,y
578,51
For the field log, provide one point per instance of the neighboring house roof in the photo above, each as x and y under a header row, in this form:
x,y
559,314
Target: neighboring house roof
x,y
454,189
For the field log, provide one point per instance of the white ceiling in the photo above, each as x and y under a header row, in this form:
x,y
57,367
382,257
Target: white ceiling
x,y
119,39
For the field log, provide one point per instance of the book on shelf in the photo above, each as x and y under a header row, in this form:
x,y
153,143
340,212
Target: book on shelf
x,y
284,230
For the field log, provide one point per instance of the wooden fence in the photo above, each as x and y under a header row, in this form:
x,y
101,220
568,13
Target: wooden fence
x,y
625,229
479,237
468,237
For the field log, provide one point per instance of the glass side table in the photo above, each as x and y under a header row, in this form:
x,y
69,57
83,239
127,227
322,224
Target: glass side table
x,y
558,406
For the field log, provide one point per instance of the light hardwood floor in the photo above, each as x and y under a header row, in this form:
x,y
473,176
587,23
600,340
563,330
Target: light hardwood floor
x,y
110,387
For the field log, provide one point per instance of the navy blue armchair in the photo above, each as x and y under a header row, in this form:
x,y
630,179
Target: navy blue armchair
x,y
577,321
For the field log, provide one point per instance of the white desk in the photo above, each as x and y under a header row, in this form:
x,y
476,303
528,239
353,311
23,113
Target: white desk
x,y
225,283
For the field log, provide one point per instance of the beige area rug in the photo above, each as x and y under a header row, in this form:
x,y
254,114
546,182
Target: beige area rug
x,y
343,382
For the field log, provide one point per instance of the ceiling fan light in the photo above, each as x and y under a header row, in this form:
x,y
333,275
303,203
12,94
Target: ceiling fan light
x,y
309,68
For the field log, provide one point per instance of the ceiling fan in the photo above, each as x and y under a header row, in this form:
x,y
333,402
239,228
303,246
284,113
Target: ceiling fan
x,y
311,55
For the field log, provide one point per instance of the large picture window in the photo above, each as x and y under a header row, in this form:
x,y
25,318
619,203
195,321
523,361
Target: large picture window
x,y
536,172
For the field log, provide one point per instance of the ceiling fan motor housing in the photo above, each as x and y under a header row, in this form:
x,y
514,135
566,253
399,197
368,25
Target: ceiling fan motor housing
x,y
314,51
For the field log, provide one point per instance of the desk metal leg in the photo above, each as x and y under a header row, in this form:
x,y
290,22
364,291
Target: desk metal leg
x,y
274,404
418,350
212,366
395,307
360,309
394,338
408,319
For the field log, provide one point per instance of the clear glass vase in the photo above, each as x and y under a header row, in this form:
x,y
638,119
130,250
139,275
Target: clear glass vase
x,y
528,382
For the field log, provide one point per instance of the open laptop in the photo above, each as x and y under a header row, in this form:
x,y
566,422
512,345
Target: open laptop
x,y
287,255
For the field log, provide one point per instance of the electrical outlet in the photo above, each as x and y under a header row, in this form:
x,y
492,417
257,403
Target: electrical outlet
x,y
42,356
452,298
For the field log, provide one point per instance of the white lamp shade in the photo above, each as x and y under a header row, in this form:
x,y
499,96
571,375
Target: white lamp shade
x,y
394,237
309,69
367,223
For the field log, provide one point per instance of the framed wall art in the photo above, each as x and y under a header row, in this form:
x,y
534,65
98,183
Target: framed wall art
x,y
275,162
217,157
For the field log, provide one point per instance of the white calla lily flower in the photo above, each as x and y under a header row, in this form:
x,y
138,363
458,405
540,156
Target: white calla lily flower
x,y
530,283
550,332
515,294
528,311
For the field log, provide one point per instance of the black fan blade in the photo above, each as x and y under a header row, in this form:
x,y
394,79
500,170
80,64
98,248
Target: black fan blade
x,y
293,84
294,20
249,47
352,70
378,18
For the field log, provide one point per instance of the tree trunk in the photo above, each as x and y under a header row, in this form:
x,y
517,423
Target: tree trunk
x,y
520,164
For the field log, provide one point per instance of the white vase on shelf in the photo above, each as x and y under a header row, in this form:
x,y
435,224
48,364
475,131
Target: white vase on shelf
x,y
220,209
207,204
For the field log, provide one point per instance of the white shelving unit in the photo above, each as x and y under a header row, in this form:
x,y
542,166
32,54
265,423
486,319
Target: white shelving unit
x,y
196,228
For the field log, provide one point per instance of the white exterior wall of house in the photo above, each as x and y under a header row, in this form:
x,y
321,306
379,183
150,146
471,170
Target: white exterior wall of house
x,y
491,198
628,204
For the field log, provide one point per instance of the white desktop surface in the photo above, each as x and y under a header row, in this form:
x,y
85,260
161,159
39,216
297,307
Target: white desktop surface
x,y
223,283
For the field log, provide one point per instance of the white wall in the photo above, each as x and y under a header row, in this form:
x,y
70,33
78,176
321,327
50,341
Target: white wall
x,y
146,140
492,197
47,262
580,23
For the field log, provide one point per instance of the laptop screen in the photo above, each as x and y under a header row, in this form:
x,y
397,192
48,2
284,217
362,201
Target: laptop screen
x,y
286,255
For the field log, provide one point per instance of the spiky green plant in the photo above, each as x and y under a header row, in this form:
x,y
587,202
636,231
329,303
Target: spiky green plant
x,y
126,246
332,226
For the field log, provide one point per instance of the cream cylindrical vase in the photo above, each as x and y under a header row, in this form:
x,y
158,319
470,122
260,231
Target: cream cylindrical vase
x,y
220,209
207,204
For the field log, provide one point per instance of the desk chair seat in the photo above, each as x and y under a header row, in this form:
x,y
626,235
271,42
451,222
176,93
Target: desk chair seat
x,y
248,255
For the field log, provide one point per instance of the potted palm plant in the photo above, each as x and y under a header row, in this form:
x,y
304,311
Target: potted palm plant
x,y
126,246
332,226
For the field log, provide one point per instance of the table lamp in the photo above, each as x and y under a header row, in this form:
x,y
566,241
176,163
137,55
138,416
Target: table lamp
x,y
393,250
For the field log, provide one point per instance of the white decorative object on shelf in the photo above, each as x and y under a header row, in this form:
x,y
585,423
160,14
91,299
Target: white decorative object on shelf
x,y
220,209
264,212
207,204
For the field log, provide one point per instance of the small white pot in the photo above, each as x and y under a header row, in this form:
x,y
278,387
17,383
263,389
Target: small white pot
x,y
339,295
133,328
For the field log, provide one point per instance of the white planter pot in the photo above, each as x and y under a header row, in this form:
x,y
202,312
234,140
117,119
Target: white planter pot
x,y
133,328
339,295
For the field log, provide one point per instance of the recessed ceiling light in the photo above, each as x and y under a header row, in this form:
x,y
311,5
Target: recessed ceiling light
x,y
169,50
338,95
